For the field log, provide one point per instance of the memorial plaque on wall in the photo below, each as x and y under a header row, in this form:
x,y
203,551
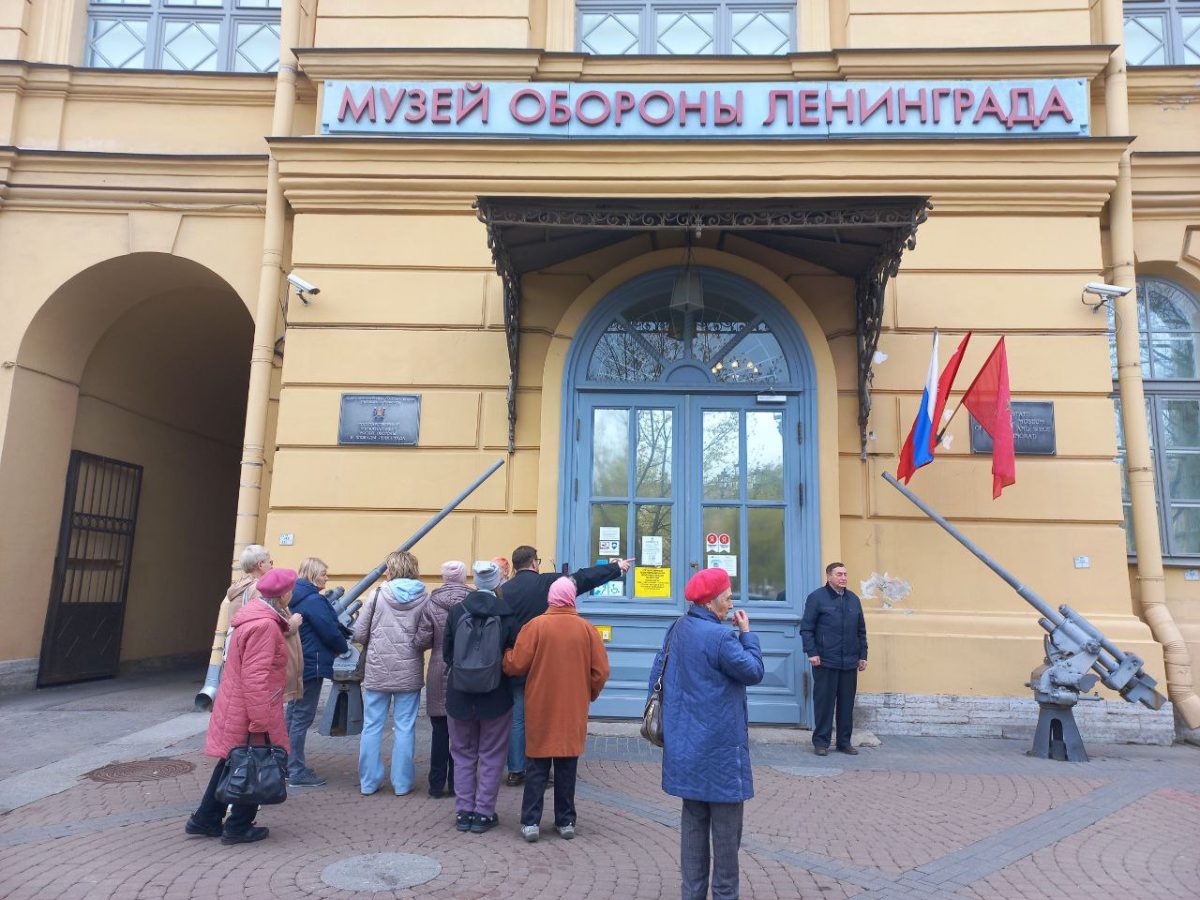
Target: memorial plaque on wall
x,y
392,420
1033,430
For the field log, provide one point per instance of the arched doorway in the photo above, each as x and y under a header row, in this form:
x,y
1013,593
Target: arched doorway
x,y
137,364
690,441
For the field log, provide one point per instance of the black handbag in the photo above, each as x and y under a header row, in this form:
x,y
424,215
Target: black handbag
x,y
255,774
652,721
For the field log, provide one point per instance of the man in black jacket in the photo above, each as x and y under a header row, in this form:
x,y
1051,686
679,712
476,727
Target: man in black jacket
x,y
835,641
527,593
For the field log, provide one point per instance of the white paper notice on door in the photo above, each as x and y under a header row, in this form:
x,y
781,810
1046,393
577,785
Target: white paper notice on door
x,y
723,561
610,540
652,550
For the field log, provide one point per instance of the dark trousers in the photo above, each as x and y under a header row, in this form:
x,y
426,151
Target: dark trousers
x,y
699,824
211,811
300,714
833,687
537,770
441,764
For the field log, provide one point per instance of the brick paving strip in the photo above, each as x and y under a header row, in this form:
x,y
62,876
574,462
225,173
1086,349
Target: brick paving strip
x,y
101,823
942,877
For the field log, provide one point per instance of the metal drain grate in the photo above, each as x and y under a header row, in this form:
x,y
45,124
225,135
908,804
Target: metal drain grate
x,y
141,770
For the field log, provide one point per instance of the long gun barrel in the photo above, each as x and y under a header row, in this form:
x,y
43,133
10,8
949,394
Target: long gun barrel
x,y
1070,634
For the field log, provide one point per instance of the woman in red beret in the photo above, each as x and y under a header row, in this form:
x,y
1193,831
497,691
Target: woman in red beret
x,y
706,736
249,702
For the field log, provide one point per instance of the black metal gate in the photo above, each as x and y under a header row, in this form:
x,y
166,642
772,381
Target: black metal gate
x,y
91,570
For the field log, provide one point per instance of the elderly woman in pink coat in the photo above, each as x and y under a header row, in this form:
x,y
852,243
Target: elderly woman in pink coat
x,y
249,702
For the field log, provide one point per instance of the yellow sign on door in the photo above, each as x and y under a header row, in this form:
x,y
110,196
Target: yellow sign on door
x,y
651,581
605,632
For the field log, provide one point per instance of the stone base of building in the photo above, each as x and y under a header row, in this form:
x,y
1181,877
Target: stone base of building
x,y
18,674
1102,721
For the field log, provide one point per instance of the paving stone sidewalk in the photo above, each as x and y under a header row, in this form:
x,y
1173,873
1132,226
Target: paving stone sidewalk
x,y
915,817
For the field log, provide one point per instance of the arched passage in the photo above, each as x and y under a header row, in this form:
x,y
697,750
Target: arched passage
x,y
143,359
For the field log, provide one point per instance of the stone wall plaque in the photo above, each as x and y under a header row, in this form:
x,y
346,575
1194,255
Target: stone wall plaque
x,y
1033,430
392,420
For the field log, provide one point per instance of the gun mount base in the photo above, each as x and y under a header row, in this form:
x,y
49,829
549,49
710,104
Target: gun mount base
x,y
343,716
1057,736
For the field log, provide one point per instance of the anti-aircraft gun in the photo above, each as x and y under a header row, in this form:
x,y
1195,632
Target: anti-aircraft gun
x,y
1077,656
343,713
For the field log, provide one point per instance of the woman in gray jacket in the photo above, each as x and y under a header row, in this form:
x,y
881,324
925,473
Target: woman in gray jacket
x,y
395,633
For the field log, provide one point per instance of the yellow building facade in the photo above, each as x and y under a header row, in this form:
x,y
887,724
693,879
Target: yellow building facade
x,y
165,395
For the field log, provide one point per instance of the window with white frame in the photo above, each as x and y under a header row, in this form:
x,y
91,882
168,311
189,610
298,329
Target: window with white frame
x,y
1169,333
1162,32
184,35
685,27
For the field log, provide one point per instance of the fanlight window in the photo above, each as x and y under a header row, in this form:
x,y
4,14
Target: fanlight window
x,y
715,338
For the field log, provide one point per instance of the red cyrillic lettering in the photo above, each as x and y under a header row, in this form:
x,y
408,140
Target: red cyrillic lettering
x,y
560,109
964,99
644,104
357,109
416,106
846,106
990,106
728,115
700,106
443,98
936,98
773,100
390,106
904,104
605,107
1029,117
626,102
866,110
468,105
514,106
1055,105
810,107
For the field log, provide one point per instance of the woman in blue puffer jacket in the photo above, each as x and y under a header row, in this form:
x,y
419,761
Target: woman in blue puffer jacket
x,y
706,738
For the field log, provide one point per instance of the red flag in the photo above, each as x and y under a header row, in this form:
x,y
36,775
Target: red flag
x,y
989,401
907,466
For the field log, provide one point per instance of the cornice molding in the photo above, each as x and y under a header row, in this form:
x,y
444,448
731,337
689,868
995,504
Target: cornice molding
x,y
1164,85
143,86
1083,61
972,175
1165,185
227,184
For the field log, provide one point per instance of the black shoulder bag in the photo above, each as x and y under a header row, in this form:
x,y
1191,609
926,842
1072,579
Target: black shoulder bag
x,y
254,774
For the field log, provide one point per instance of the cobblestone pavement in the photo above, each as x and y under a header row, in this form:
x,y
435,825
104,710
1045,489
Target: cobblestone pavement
x,y
916,817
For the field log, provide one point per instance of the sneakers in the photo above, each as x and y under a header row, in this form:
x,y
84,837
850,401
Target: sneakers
x,y
194,827
531,833
307,778
249,836
514,778
484,823
464,820
566,832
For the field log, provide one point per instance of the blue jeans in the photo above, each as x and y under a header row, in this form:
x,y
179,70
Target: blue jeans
x,y
370,747
516,737
300,714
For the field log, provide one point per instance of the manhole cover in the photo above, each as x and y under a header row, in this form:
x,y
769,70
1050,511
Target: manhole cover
x,y
381,872
141,770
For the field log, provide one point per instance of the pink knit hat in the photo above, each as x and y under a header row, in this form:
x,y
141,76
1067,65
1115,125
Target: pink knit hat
x,y
277,582
454,572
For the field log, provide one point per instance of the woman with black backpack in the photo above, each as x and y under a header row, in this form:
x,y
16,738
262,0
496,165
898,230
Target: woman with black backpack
x,y
478,697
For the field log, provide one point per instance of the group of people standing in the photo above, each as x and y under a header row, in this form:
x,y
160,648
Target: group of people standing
x,y
512,672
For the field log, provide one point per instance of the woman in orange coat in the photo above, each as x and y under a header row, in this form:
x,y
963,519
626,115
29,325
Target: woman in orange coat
x,y
567,667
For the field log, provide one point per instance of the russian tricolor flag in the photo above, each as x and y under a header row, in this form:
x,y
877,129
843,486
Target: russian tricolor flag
x,y
922,438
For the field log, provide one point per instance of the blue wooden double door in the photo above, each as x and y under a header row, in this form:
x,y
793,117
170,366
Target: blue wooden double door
x,y
680,481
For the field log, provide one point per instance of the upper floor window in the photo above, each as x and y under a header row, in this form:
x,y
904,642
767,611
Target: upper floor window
x,y
184,35
685,27
1162,32
1169,333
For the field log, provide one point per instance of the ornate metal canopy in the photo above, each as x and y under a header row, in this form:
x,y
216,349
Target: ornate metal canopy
x,y
859,237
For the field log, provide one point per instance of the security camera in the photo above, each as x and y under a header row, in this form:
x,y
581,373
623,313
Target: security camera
x,y
1105,291
304,287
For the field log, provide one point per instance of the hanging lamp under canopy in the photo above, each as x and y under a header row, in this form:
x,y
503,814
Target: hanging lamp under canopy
x,y
858,237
